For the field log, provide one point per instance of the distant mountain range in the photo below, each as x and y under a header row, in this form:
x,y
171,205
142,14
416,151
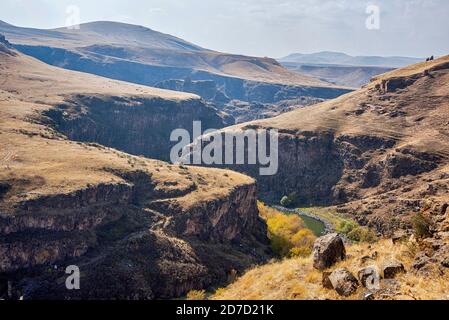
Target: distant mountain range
x,y
112,42
338,58
144,56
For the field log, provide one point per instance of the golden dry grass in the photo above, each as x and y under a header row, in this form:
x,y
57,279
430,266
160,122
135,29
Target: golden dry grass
x,y
296,279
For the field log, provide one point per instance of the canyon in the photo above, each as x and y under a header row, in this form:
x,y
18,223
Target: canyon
x,y
84,182
137,228
379,154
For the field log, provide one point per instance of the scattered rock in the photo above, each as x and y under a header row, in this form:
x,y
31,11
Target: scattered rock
x,y
369,277
445,262
421,259
328,250
367,295
343,282
326,282
399,236
392,268
373,256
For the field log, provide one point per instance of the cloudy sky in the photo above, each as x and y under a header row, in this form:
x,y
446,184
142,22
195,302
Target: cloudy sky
x,y
272,28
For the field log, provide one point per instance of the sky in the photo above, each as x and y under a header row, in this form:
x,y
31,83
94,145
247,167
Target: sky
x,y
273,28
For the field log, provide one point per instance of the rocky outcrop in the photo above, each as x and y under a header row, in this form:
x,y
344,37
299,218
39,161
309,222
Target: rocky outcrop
x,y
391,269
5,46
4,42
369,276
136,228
135,125
115,232
327,251
343,282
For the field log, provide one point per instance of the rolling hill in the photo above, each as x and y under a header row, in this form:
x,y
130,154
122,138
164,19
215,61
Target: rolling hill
x,y
140,55
342,69
338,58
349,76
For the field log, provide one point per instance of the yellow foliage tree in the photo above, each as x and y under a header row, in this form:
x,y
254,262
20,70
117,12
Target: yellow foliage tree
x,y
288,234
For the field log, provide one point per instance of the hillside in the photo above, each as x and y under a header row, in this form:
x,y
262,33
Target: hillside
x,y
380,153
342,75
137,228
296,279
143,45
338,58
140,55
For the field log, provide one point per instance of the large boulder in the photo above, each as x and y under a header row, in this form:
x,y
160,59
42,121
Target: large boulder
x,y
392,268
369,277
327,251
343,282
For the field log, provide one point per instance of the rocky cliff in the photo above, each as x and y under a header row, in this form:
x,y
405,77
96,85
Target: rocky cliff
x,y
250,100
137,125
377,153
136,228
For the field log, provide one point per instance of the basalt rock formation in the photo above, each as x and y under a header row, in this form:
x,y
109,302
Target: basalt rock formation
x,y
136,125
379,153
136,228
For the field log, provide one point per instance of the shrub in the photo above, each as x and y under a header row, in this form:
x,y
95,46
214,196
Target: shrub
x,y
196,295
290,200
362,234
346,226
302,242
285,202
421,226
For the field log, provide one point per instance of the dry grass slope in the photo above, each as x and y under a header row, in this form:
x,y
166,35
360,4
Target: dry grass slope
x,y
296,279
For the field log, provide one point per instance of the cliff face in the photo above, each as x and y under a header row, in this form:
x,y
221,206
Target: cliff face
x,y
376,154
136,125
250,100
137,228
116,234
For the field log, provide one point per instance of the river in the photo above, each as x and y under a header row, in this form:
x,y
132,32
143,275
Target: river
x,y
316,225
